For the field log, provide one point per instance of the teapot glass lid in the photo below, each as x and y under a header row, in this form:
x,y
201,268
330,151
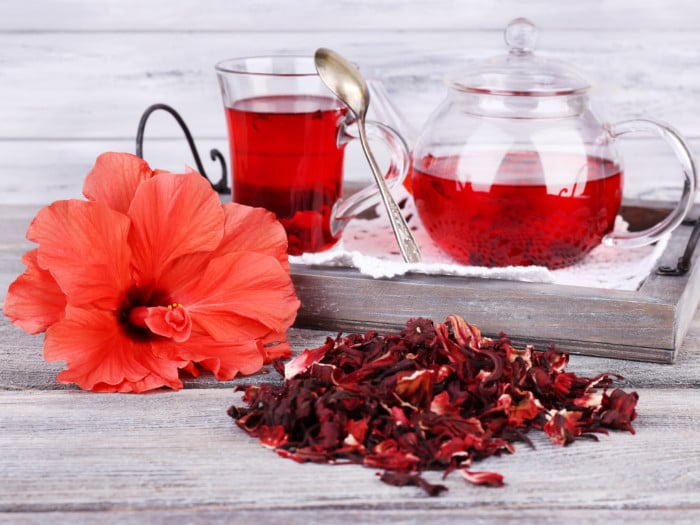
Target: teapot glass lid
x,y
520,72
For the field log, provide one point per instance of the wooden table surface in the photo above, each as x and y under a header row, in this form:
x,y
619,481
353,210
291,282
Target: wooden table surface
x,y
80,457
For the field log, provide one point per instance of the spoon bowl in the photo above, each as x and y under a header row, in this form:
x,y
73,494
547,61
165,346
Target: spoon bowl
x,y
343,79
346,82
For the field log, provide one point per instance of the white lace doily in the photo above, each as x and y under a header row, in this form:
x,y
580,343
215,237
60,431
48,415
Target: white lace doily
x,y
370,246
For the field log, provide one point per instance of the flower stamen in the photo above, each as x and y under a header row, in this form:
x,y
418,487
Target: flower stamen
x,y
172,321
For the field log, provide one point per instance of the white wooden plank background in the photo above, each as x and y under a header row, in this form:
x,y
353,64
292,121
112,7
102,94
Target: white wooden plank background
x,y
75,75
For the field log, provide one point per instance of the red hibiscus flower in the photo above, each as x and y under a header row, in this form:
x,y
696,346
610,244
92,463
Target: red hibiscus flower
x,y
151,275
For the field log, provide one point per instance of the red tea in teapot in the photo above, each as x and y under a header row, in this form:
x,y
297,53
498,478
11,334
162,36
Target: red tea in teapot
x,y
285,158
521,216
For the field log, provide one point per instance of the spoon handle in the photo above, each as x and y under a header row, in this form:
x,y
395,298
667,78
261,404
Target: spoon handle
x,y
404,237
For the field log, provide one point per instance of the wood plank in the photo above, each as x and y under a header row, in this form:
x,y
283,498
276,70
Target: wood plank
x,y
372,513
375,15
101,82
333,300
40,171
684,290
604,323
648,324
179,452
24,369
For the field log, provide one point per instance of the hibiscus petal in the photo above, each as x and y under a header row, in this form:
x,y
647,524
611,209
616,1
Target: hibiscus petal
x,y
173,215
114,179
254,230
225,360
182,274
100,356
83,245
246,229
149,382
242,296
34,300
276,346
242,359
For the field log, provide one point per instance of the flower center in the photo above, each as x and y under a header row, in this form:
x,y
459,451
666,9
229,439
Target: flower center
x,y
172,321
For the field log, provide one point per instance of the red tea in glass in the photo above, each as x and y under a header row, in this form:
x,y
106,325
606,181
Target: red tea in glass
x,y
528,220
285,158
287,136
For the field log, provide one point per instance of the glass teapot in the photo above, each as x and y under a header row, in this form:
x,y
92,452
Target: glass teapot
x,y
514,168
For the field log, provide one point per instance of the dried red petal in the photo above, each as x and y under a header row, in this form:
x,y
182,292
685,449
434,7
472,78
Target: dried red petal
x,y
400,479
619,410
389,455
358,429
492,479
593,401
435,396
271,437
527,409
562,427
416,388
304,360
441,404
563,383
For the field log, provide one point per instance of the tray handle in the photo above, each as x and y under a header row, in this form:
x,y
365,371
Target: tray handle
x,y
683,264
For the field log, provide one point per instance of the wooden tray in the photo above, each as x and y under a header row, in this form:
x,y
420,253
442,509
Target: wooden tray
x,y
648,324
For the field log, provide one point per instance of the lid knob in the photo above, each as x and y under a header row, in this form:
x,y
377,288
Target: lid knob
x,y
520,71
521,35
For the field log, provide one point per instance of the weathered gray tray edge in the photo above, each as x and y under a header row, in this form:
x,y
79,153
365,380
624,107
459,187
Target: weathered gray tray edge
x,y
647,325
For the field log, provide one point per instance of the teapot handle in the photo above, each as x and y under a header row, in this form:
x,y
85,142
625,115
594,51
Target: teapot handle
x,y
682,152
400,161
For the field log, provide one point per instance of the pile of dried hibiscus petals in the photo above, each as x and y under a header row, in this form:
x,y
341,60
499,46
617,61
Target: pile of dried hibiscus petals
x,y
435,396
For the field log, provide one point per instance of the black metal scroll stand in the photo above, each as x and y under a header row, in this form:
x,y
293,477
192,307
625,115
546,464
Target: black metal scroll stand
x,y
683,264
221,186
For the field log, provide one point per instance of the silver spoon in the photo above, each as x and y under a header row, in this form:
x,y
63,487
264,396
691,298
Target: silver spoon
x,y
343,79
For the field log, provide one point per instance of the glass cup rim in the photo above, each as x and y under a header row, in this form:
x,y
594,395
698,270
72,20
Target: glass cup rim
x,y
263,65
